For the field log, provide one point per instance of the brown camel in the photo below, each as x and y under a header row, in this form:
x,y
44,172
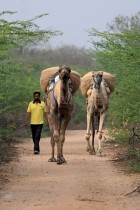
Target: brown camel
x,y
97,105
59,102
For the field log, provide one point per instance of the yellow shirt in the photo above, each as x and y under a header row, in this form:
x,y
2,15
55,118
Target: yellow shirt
x,y
37,111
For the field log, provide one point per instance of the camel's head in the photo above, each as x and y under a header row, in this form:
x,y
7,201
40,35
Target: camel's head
x,y
64,73
97,78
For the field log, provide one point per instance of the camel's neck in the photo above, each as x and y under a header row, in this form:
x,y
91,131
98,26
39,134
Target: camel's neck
x,y
64,92
101,97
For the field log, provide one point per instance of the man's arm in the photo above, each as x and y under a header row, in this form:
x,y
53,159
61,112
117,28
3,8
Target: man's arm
x,y
27,118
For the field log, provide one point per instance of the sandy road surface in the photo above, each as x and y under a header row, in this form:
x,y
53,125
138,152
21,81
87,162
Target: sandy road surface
x,y
84,183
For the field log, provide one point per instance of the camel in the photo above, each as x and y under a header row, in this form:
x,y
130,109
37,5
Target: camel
x,y
59,104
97,99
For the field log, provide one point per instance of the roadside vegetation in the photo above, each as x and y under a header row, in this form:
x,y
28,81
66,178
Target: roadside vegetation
x,y
25,51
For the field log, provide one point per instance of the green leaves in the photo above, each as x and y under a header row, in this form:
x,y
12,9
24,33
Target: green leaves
x,y
16,79
119,53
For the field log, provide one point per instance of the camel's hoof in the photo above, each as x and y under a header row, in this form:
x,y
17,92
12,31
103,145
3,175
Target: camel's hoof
x,y
100,154
52,159
61,160
91,152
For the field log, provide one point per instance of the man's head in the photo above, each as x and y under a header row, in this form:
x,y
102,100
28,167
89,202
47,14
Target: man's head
x,y
36,96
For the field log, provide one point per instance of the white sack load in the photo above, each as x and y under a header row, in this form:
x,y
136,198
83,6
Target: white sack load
x,y
87,80
48,73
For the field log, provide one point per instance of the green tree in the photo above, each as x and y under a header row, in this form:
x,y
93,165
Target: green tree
x,y
15,77
119,53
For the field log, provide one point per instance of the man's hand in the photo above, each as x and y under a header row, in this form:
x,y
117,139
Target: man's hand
x,y
26,125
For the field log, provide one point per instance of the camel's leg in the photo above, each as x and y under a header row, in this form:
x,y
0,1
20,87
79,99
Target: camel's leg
x,y
58,141
92,135
89,148
55,134
60,158
55,125
102,118
59,155
52,142
64,124
52,159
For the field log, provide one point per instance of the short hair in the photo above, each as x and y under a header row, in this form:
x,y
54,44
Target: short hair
x,y
37,92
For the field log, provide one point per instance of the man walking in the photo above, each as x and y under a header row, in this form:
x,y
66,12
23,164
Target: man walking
x,y
35,111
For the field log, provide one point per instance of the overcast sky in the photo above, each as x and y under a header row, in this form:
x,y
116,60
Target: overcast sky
x,y
72,17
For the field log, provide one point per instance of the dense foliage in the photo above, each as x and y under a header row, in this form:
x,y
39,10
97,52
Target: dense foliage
x,y
119,53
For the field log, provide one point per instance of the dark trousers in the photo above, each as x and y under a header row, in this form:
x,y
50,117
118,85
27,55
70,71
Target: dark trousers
x,y
36,134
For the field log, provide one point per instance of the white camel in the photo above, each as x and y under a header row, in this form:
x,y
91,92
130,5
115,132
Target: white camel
x,y
97,105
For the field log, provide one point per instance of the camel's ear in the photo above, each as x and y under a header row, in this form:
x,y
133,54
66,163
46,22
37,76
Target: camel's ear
x,y
60,68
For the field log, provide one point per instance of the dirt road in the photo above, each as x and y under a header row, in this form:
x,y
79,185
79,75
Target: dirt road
x,y
84,183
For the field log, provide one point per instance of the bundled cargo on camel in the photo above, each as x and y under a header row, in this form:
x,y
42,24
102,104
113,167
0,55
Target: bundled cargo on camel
x,y
49,73
87,82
